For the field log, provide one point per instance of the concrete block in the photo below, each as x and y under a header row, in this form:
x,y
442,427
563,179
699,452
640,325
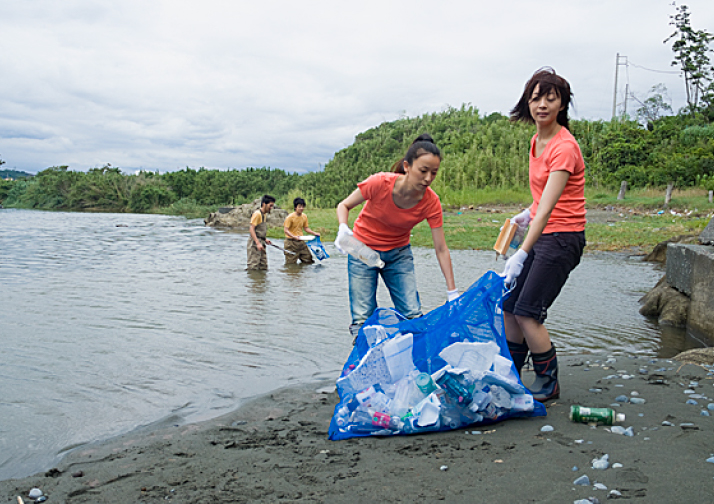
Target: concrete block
x,y
680,260
701,308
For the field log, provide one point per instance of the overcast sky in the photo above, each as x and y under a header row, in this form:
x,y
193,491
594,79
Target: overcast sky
x,y
162,85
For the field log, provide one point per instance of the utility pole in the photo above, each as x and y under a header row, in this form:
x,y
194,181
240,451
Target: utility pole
x,y
614,93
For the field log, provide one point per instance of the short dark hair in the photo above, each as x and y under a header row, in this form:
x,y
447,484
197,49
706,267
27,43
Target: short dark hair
x,y
547,80
298,201
424,144
266,199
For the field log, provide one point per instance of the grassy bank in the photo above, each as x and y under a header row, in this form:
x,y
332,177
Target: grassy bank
x,y
634,224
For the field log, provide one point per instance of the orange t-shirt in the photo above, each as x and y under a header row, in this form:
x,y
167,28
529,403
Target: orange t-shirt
x,y
295,224
381,224
561,153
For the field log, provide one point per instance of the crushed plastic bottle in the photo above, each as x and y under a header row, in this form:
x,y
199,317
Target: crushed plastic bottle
x,y
500,397
582,481
601,463
360,251
617,429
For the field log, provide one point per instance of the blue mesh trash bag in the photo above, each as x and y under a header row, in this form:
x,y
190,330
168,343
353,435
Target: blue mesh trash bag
x,y
317,249
446,370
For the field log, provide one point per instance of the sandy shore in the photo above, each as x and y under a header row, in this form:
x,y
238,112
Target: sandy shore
x,y
275,449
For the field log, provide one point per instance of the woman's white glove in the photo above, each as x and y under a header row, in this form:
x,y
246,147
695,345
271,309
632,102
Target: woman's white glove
x,y
523,218
452,294
514,266
344,230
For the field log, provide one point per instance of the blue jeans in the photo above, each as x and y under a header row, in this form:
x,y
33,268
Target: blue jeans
x,y
398,275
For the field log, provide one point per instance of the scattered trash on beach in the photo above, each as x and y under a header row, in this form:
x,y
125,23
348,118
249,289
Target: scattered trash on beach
x,y
618,429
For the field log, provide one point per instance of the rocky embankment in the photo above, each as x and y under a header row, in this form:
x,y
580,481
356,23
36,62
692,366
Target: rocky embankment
x,y
238,217
684,297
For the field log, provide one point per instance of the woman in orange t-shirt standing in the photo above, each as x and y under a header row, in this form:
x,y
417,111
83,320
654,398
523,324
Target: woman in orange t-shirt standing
x,y
555,241
395,203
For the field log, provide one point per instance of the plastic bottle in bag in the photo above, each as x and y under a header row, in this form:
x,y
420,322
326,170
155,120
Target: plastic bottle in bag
x,y
376,419
501,398
451,417
406,395
425,383
411,426
360,251
455,389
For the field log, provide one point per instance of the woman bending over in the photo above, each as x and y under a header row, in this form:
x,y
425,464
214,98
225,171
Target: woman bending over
x,y
395,203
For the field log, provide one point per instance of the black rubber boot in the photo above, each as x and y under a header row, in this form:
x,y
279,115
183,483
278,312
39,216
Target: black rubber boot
x,y
545,386
519,353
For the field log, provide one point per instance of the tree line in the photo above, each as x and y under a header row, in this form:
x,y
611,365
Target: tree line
x,y
478,152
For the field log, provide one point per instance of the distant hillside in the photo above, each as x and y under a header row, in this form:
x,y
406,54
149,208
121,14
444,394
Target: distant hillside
x,y
14,174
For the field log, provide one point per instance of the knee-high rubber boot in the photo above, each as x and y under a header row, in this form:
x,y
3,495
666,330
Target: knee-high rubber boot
x,y
519,353
545,386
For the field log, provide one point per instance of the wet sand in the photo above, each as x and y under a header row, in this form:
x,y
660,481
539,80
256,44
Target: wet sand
x,y
275,449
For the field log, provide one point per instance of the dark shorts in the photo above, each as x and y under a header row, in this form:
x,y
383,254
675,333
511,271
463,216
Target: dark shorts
x,y
545,271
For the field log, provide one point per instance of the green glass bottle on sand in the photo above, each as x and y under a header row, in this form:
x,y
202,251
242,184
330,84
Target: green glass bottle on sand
x,y
605,416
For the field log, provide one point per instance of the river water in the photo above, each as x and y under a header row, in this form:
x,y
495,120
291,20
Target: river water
x,y
110,322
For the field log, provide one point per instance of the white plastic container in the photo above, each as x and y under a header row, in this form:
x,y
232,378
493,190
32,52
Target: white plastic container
x,y
360,251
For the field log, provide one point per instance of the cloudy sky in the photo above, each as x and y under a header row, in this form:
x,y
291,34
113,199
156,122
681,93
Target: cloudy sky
x,y
162,85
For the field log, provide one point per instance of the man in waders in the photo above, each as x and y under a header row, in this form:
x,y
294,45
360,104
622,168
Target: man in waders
x,y
257,257
293,226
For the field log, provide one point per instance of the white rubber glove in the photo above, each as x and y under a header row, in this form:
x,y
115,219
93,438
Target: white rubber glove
x,y
523,218
514,266
452,294
343,231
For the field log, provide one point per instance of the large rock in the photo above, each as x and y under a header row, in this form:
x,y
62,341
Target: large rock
x,y
698,356
707,236
659,253
666,303
685,296
238,217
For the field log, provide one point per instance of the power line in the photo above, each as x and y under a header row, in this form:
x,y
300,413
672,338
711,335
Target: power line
x,y
651,70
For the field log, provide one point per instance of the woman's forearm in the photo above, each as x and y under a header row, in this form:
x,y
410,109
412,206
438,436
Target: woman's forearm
x,y
447,268
343,213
